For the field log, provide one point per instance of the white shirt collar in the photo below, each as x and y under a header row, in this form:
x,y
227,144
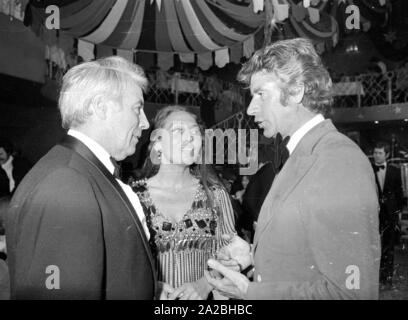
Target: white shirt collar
x,y
300,133
95,147
8,165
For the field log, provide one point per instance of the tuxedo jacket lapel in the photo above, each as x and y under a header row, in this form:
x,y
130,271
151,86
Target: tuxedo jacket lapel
x,y
77,146
377,182
387,178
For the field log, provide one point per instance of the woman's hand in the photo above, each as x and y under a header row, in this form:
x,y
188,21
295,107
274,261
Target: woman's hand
x,y
198,290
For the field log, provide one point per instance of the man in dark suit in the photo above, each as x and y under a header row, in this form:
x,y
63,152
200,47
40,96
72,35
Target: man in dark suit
x,y
12,168
73,230
389,185
317,234
261,182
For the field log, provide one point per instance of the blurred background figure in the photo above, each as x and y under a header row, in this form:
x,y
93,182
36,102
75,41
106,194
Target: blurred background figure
x,y
389,184
4,274
13,168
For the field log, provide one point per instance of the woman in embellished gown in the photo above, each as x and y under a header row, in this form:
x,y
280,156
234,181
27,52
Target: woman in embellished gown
x,y
187,207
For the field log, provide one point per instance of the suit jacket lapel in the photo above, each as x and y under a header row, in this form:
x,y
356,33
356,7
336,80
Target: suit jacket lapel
x,y
77,146
296,167
387,178
290,176
377,182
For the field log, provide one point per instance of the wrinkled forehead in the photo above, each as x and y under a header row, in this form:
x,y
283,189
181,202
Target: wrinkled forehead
x,y
133,90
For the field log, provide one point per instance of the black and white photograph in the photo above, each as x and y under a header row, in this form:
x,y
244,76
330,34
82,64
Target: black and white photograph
x,y
203,150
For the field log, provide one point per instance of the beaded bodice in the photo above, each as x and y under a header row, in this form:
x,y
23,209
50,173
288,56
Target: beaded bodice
x,y
182,248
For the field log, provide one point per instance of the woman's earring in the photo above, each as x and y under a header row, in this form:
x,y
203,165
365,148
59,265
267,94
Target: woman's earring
x,y
158,152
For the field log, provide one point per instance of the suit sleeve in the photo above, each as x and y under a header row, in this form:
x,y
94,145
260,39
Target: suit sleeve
x,y
60,252
340,217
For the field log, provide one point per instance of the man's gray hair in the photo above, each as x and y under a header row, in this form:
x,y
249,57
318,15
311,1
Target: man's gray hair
x,y
109,76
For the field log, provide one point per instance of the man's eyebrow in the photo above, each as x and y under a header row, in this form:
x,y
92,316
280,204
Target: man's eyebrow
x,y
255,90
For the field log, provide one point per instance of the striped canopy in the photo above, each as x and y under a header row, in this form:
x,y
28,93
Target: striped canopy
x,y
185,27
207,32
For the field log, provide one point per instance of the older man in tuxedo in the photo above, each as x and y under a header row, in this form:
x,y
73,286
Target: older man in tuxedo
x,y
317,234
75,231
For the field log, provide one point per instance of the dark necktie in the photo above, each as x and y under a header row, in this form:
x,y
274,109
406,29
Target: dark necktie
x,y
281,151
116,172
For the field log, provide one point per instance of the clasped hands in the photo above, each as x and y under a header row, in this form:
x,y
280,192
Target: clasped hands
x,y
225,272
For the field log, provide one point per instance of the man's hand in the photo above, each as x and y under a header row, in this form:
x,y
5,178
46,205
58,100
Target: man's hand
x,y
163,290
236,255
233,285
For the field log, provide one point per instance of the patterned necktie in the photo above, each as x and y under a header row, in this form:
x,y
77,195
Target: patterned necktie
x,y
281,151
116,172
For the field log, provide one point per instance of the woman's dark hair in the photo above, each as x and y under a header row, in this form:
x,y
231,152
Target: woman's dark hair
x,y
202,171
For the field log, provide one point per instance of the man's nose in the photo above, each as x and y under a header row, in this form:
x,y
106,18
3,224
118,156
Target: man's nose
x,y
251,108
144,123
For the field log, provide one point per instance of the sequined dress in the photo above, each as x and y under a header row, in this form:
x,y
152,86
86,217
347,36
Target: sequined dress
x,y
183,248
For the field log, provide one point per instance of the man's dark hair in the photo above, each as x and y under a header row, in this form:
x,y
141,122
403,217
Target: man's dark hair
x,y
6,145
383,145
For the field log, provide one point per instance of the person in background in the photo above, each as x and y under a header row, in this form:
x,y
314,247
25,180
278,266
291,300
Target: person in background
x,y
4,203
4,273
237,192
12,168
390,196
260,184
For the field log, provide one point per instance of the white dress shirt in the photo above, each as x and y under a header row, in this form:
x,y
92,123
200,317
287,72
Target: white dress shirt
x,y
8,168
300,133
104,157
381,175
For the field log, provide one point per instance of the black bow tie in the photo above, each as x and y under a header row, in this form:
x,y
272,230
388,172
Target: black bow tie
x,y
116,172
379,167
281,151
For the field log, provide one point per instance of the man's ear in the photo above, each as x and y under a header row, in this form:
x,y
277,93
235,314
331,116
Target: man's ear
x,y
100,106
297,94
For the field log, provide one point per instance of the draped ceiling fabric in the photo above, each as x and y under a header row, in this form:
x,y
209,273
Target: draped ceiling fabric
x,y
207,32
204,31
